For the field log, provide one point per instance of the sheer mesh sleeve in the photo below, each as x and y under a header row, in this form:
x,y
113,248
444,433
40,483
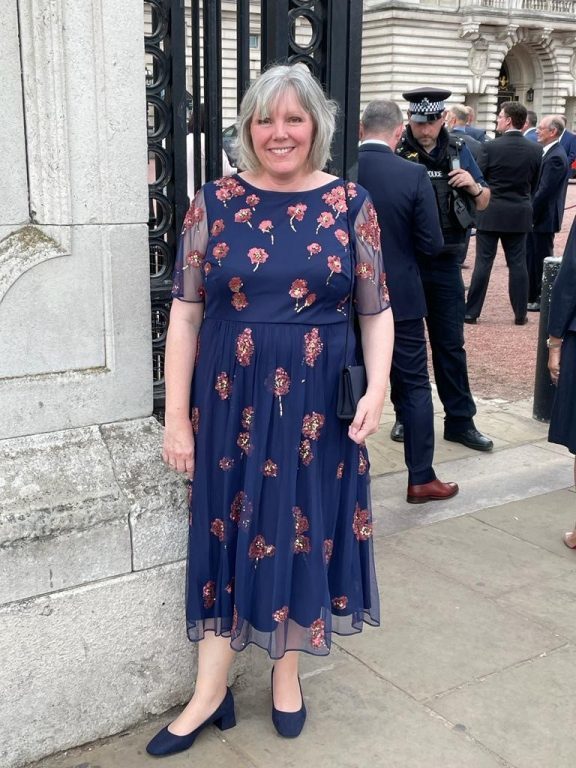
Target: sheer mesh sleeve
x,y
188,284
370,289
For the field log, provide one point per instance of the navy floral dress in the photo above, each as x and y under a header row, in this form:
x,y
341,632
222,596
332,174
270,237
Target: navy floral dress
x,y
280,546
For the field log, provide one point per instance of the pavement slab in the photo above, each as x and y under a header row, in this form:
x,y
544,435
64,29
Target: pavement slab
x,y
525,714
438,634
479,556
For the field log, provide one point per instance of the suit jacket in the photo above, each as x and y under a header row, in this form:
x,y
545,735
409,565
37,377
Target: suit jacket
x,y
568,141
530,134
477,133
511,167
562,315
550,196
472,143
409,223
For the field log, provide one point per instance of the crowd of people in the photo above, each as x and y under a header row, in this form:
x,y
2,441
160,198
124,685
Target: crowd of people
x,y
285,276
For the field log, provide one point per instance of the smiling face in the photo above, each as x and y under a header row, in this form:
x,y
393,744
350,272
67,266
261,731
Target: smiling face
x,y
282,140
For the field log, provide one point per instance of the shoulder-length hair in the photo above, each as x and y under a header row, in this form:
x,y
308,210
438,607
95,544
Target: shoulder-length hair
x,y
260,99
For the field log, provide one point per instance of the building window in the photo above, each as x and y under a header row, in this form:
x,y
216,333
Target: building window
x,y
255,41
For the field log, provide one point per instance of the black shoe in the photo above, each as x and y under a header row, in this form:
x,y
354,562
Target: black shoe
x,y
397,432
470,320
533,306
521,320
288,724
471,438
167,743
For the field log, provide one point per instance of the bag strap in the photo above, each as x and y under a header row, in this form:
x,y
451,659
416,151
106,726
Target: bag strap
x,y
352,249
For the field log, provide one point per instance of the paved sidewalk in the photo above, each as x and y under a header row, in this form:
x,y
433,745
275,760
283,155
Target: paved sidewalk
x,y
475,663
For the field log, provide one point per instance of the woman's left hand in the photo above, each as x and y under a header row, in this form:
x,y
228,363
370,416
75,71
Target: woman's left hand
x,y
367,418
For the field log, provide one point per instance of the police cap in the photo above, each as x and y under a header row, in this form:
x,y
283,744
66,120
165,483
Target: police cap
x,y
426,104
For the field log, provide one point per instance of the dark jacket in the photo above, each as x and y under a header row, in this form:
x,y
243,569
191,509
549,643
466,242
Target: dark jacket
x,y
408,216
568,141
477,133
511,167
562,315
472,143
550,196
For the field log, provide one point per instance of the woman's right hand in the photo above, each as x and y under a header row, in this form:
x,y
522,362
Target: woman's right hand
x,y
178,451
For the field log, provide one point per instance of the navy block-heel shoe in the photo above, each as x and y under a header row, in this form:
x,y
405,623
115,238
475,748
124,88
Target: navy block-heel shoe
x,y
288,724
166,743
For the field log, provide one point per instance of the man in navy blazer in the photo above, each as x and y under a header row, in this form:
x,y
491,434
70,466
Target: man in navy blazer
x,y
410,229
529,128
477,133
547,205
568,141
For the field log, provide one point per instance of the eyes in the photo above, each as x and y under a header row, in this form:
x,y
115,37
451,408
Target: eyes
x,y
291,120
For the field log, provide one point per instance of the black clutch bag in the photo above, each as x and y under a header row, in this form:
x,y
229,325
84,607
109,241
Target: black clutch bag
x,y
351,387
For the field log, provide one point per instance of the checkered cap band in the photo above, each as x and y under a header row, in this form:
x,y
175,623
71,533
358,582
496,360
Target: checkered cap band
x,y
426,107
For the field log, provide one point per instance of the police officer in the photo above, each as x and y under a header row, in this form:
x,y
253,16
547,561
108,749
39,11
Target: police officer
x,y
460,190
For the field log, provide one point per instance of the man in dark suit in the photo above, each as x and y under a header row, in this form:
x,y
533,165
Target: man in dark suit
x,y
568,141
529,127
409,226
547,205
477,133
511,166
460,190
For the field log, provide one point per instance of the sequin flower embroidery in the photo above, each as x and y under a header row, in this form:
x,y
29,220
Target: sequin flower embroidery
x,y
270,468
306,453
217,528
362,463
239,300
258,549
257,256
209,594
340,603
217,227
361,524
340,471
334,265
252,201
243,442
317,633
220,251
299,290
313,346
313,249
223,385
243,216
247,417
241,508
244,347
281,614
342,237
193,217
336,199
364,271
266,228
226,463
194,259
312,423
325,220
296,213
328,548
369,231
301,542
195,419
279,382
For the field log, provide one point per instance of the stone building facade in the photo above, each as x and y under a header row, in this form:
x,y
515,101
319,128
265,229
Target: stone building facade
x,y
484,51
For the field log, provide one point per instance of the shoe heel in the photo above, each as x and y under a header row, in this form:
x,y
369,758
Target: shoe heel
x,y
226,721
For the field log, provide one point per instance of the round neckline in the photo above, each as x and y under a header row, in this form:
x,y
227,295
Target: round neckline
x,y
262,190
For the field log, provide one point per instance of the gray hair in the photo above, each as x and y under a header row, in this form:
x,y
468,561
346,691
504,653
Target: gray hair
x,y
460,112
260,99
381,116
556,122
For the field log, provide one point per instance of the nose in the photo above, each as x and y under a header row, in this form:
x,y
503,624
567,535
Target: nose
x,y
279,129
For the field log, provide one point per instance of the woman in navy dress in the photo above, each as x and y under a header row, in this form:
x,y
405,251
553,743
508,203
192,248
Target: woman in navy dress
x,y
562,357
280,546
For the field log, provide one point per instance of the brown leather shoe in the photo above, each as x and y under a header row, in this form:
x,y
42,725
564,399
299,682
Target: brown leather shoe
x,y
435,490
569,539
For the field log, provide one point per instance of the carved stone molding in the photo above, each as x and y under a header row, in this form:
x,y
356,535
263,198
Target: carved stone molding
x,y
42,27
23,250
470,30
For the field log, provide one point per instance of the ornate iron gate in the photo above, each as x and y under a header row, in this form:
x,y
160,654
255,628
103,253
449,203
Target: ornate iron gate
x,y
324,35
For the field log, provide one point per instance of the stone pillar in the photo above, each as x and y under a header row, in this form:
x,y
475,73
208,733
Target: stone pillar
x,y
92,527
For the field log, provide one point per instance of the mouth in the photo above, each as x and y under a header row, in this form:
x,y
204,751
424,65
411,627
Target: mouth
x,y
280,151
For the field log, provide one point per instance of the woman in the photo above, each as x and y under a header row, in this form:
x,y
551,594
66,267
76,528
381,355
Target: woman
x,y
280,550
562,357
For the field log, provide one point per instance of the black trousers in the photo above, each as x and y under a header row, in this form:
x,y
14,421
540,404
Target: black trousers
x,y
444,289
539,245
514,244
411,395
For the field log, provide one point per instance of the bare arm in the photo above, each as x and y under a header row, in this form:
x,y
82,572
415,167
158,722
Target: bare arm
x,y
377,344
181,343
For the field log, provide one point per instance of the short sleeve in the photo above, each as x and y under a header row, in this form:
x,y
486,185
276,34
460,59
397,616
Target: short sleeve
x,y
188,283
370,289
